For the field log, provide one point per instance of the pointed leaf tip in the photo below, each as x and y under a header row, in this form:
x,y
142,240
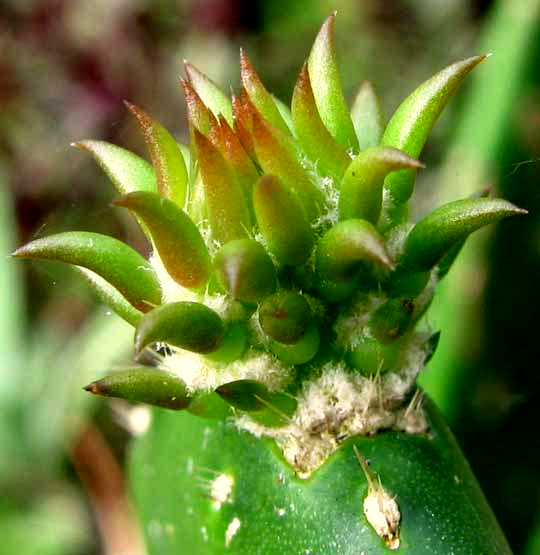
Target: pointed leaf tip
x,y
409,127
361,193
186,325
177,239
127,171
326,84
258,94
117,263
166,155
143,385
433,236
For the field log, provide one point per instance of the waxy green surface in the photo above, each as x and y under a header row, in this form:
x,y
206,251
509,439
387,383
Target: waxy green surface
x,y
172,468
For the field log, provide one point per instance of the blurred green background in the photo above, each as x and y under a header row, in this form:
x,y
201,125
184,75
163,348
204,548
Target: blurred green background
x,y
66,66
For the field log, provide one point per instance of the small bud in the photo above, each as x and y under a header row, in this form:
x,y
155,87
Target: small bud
x,y
300,352
391,320
285,316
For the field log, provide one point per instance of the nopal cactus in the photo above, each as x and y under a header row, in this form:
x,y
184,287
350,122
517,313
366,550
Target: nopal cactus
x,y
278,312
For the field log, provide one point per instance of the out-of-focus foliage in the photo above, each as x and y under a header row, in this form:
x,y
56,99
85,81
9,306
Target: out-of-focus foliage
x,y
65,68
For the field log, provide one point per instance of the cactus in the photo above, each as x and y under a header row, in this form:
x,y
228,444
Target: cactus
x,y
278,312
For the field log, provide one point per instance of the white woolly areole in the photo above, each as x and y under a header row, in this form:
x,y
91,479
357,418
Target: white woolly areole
x,y
201,374
341,404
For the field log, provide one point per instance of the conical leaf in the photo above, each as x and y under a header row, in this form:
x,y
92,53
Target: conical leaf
x,y
111,297
244,394
125,269
243,125
178,242
258,94
199,115
432,237
314,138
186,325
144,385
227,207
361,191
233,346
166,157
211,95
285,316
127,171
348,245
282,221
412,122
326,84
276,157
245,270
230,146
367,117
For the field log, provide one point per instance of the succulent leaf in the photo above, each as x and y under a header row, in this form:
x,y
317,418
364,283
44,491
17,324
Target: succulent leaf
x,y
244,394
234,344
348,246
285,316
144,385
125,269
326,84
228,211
245,270
409,127
361,192
300,352
276,157
282,221
111,296
243,125
319,145
166,155
367,117
371,357
127,171
177,239
186,325
210,94
258,94
199,116
432,237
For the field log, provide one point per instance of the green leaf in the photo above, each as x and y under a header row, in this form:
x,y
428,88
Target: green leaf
x,y
243,125
199,115
212,96
285,316
345,248
125,269
234,344
432,237
300,352
367,117
413,120
230,146
326,83
319,145
228,211
258,94
166,155
111,296
370,357
276,157
245,270
186,325
127,171
244,394
177,239
144,385
282,221
285,112
361,191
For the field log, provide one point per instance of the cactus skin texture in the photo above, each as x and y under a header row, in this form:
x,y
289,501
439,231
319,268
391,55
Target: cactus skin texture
x,y
278,312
